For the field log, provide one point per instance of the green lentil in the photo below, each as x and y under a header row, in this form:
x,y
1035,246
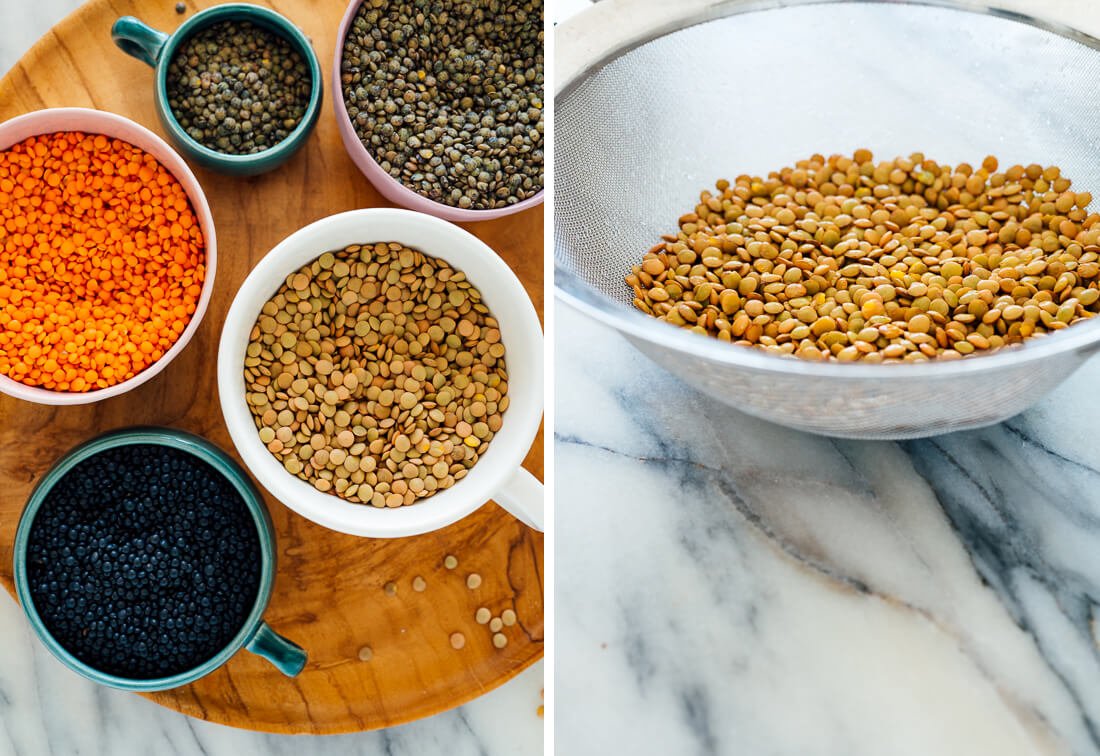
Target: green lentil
x,y
238,88
447,95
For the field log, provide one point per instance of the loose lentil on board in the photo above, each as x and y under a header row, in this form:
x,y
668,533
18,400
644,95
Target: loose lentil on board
x,y
447,95
896,261
238,88
102,261
377,373
143,561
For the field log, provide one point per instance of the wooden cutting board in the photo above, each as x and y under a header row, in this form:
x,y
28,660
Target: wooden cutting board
x,y
329,594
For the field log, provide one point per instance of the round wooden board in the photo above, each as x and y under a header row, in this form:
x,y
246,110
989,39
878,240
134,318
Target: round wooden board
x,y
329,593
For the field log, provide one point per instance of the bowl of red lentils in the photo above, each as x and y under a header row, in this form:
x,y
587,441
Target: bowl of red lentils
x,y
107,255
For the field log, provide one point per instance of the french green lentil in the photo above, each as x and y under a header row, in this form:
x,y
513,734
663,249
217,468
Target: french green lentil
x,y
238,88
897,261
447,95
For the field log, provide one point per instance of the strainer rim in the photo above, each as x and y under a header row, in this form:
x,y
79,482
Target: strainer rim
x,y
572,290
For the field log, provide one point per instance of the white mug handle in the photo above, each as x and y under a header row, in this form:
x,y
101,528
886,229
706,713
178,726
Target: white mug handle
x,y
523,496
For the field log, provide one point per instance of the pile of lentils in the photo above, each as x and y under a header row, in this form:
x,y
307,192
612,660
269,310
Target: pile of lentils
x,y
377,373
903,260
238,88
447,96
143,561
102,261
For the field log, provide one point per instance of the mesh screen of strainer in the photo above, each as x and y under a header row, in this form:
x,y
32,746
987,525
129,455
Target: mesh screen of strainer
x,y
638,138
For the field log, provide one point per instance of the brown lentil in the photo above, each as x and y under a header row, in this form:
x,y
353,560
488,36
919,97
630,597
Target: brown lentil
x,y
422,401
899,261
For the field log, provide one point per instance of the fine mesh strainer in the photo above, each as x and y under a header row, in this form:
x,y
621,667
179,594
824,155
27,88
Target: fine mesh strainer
x,y
655,102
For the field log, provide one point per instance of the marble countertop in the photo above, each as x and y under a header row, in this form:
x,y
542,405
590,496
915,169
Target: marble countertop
x,y
46,709
728,586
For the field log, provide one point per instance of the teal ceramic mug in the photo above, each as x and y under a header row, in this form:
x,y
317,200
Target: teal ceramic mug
x,y
254,635
157,49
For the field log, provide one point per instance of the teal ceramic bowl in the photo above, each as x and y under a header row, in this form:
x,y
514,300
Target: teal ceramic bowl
x,y
157,49
255,635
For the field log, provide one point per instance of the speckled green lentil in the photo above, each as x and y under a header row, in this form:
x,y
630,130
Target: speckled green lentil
x,y
447,95
238,88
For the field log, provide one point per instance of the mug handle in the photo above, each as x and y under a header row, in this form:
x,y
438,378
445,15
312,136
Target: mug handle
x,y
523,496
138,39
287,657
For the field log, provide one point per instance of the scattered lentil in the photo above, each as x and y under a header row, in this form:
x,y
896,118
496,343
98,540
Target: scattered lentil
x,y
450,562
458,640
508,617
899,261
410,422
473,581
366,653
419,584
500,640
181,8
390,589
496,624
238,88
102,261
447,95
482,616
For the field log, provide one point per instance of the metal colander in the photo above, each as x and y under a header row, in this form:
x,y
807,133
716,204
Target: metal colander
x,y
729,88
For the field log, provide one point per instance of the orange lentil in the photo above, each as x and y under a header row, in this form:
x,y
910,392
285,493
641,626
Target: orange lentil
x,y
101,261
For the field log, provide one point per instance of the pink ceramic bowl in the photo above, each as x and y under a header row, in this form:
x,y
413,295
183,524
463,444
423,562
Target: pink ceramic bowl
x,y
391,188
109,124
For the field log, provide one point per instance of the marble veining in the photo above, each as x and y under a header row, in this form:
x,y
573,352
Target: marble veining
x,y
727,586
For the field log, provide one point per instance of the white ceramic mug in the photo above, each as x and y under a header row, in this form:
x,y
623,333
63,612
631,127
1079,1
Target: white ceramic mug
x,y
498,474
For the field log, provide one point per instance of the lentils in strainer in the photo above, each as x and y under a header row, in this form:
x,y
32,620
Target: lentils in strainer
x,y
904,260
377,373
447,96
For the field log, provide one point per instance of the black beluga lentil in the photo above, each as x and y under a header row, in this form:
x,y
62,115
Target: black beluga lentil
x,y
238,88
143,561
447,96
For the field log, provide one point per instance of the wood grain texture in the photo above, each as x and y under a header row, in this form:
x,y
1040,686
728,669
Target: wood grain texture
x,y
329,593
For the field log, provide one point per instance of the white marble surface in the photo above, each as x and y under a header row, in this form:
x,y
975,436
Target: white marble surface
x,y
45,709
726,586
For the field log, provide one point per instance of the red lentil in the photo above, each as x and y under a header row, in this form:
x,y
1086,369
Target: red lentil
x,y
102,261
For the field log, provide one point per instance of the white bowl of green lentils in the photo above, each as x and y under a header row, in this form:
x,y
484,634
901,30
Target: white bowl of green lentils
x,y
380,373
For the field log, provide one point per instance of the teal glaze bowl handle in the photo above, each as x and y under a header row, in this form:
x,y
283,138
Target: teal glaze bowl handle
x,y
138,39
289,658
